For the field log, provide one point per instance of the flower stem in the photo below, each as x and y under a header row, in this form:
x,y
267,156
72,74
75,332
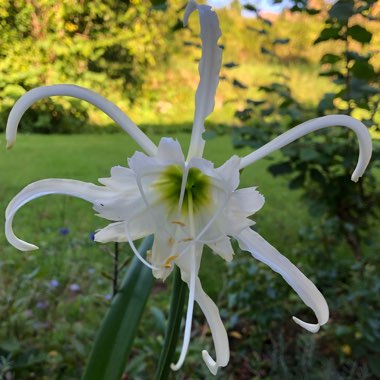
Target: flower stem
x,y
172,331
115,279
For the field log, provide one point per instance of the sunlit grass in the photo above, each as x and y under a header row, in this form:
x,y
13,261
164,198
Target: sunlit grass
x,y
89,157
171,91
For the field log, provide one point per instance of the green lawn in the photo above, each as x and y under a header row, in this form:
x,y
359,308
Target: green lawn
x,y
50,329
66,327
88,157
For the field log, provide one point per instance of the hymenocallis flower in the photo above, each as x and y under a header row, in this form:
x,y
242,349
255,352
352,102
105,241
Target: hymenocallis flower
x,y
186,203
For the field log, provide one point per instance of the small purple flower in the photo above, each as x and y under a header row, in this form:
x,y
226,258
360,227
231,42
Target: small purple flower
x,y
108,297
74,288
54,283
64,231
91,270
41,305
92,236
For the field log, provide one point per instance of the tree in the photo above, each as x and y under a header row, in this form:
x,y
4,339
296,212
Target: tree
x,y
105,45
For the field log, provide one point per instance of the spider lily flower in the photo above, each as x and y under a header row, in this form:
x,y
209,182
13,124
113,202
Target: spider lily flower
x,y
186,203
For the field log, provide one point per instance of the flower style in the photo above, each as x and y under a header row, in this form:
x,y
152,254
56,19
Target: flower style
x,y
185,203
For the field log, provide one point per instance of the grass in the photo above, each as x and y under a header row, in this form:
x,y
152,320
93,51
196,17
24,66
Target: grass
x,y
165,102
65,331
88,157
51,329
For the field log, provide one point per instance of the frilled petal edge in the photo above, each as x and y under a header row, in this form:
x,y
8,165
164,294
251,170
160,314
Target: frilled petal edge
x,y
260,249
116,232
79,189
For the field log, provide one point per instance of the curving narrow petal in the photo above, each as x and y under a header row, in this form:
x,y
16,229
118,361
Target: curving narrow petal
x,y
79,189
190,278
260,249
219,334
113,111
365,143
209,67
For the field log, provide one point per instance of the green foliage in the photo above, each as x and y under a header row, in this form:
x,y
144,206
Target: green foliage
x,y
345,348
179,290
256,305
117,332
62,333
320,167
107,46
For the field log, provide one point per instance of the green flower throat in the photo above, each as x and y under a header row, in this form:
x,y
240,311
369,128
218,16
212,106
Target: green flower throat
x,y
197,189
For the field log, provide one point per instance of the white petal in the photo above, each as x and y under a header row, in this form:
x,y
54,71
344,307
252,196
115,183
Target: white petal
x,y
83,190
229,171
115,232
365,143
223,248
170,152
141,164
118,207
232,225
245,202
205,166
224,182
219,334
209,67
114,112
122,179
161,251
260,249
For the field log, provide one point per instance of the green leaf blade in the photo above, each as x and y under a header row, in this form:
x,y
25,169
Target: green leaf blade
x,y
115,337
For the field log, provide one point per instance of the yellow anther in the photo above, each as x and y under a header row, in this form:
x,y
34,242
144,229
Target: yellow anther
x,y
182,224
187,239
149,254
170,241
169,260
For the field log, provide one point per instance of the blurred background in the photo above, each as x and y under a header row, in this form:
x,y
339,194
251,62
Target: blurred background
x,y
284,62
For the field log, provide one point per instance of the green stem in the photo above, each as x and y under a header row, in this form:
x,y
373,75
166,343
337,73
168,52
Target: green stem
x,y
172,330
114,339
115,279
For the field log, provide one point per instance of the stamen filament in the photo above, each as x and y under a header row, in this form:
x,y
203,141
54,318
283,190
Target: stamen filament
x,y
190,306
135,250
183,189
206,227
189,318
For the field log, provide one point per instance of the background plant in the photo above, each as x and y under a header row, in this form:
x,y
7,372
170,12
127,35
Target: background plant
x,y
52,340
105,46
344,215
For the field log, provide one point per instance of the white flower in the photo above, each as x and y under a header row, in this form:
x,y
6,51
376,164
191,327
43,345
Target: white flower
x,y
185,203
